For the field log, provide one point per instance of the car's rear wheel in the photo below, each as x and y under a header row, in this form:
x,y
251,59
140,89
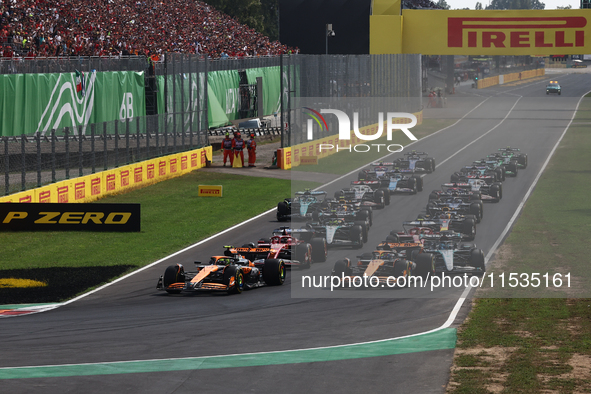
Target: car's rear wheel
x,y
274,272
419,182
282,211
402,270
303,254
319,249
477,260
356,236
341,268
425,264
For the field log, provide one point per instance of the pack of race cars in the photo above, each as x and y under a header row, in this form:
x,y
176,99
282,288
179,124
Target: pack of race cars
x,y
436,242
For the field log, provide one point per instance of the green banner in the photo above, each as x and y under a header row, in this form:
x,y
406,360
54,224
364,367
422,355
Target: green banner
x,y
185,100
271,87
33,103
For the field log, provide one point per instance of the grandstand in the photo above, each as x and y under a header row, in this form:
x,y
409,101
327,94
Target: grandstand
x,y
39,28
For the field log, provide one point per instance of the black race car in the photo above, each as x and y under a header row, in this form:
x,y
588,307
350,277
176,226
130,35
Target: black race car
x,y
419,162
301,206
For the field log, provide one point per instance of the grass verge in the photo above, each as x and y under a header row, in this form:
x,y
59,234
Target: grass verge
x,y
538,345
173,217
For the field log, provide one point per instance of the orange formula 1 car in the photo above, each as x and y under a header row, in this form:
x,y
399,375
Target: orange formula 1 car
x,y
231,274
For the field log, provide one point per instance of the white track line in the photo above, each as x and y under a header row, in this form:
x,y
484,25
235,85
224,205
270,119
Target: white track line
x,y
457,307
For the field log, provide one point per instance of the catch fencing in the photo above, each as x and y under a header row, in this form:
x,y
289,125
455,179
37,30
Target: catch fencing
x,y
186,96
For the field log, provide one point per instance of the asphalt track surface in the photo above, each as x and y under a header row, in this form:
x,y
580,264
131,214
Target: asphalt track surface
x,y
130,320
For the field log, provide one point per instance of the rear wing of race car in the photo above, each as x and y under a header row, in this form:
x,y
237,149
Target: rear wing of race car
x,y
368,183
415,153
382,164
312,193
463,185
399,246
249,253
420,223
283,230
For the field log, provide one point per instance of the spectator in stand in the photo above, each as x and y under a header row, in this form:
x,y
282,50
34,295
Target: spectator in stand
x,y
80,27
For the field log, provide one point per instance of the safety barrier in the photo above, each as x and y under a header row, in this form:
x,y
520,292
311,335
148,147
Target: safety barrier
x,y
511,77
122,179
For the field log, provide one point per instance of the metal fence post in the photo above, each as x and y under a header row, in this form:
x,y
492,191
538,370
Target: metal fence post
x,y
116,143
67,142
93,153
24,163
53,158
6,166
38,141
80,153
105,149
127,140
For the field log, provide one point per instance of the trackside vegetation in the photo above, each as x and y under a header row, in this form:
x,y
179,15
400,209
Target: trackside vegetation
x,y
173,217
543,345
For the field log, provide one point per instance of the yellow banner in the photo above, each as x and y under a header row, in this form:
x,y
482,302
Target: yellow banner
x,y
309,160
465,32
93,187
209,191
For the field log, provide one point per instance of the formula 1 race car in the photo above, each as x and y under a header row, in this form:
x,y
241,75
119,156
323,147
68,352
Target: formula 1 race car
x,y
389,267
510,159
294,248
231,274
453,257
460,204
419,162
478,187
301,206
341,209
490,176
394,180
367,193
448,220
339,232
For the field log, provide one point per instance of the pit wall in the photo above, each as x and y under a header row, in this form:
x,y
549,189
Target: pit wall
x,y
119,180
506,78
290,157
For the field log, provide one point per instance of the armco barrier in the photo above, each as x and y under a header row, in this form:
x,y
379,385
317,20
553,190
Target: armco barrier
x,y
511,77
119,180
290,157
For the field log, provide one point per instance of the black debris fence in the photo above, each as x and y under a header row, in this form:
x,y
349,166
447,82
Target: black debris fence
x,y
32,161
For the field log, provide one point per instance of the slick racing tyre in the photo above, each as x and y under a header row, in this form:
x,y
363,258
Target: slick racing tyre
x,y
356,236
386,196
380,199
402,269
477,260
173,274
319,249
274,272
303,254
234,279
364,227
425,265
341,268
282,211
419,182
469,229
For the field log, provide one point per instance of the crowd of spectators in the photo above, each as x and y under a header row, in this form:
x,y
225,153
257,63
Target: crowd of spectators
x,y
46,28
